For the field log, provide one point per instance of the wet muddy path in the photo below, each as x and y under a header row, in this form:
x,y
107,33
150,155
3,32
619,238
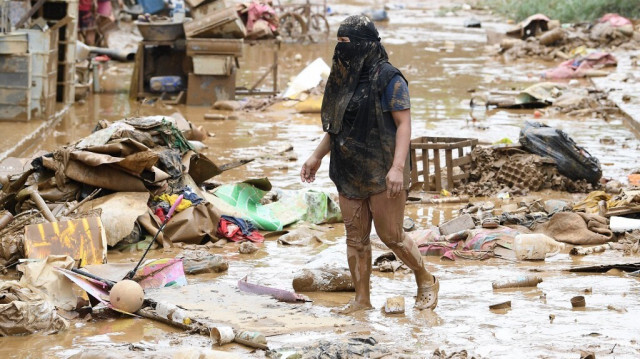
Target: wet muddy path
x,y
442,62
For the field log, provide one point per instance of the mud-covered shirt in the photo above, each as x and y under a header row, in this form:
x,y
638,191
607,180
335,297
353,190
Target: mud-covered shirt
x,y
362,152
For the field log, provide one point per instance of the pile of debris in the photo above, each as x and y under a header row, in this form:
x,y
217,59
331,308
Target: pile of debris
x,y
546,158
539,36
515,171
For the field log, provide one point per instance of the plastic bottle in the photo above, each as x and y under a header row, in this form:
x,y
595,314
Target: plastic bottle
x,y
520,282
535,246
178,11
252,339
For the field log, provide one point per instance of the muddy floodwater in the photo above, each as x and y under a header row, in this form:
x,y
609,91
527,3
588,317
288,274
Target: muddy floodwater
x,y
443,62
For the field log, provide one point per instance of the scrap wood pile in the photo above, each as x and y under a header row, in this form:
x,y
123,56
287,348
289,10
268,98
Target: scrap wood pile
x,y
546,158
539,36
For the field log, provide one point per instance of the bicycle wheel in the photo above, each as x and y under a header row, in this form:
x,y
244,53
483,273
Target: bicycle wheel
x,y
318,28
292,27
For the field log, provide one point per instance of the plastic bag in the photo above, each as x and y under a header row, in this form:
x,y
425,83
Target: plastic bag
x,y
572,161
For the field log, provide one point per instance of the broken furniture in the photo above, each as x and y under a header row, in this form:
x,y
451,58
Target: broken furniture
x,y
428,155
214,43
38,67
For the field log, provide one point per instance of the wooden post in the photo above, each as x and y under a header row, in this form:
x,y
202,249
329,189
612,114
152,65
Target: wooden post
x,y
414,165
436,169
449,162
425,169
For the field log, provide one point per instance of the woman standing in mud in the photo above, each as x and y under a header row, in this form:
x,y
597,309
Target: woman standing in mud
x,y
367,119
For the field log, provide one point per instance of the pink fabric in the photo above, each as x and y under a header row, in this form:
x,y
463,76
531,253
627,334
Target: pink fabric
x,y
260,11
615,20
104,8
575,68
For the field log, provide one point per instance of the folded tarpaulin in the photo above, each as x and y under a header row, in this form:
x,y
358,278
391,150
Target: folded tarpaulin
x,y
245,197
306,205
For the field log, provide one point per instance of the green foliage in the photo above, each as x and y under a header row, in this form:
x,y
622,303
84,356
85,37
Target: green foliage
x,y
566,11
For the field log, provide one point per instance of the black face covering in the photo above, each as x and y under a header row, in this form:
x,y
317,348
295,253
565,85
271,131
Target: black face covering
x,y
352,62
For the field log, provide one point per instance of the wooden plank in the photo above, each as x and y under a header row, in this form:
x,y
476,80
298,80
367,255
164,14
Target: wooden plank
x,y
232,47
425,170
204,10
14,113
205,90
436,171
29,13
14,63
136,78
414,165
448,156
212,65
225,20
14,96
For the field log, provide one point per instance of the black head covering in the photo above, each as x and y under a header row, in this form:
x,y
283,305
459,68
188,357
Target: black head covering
x,y
352,62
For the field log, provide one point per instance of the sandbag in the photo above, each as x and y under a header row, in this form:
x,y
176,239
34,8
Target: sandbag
x,y
572,161
577,228
23,310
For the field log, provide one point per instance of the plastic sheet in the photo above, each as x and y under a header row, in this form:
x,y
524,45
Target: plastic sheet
x,y
573,161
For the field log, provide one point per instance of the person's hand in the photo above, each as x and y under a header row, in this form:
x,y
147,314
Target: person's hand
x,y
309,169
395,180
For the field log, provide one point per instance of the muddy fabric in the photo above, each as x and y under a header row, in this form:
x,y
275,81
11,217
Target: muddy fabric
x,y
348,61
577,228
362,152
23,310
195,225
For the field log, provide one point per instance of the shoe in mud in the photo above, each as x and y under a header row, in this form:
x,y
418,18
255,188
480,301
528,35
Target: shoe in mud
x,y
427,297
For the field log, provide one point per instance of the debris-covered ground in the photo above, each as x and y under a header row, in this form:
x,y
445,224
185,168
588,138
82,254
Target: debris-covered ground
x,y
244,280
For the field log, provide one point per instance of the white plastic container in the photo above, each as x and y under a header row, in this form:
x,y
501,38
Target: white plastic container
x,y
535,246
222,335
622,224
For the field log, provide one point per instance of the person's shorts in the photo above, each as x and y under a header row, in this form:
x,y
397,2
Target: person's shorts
x,y
87,20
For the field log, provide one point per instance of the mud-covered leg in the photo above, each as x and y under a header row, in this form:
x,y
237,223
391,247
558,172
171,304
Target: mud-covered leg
x,y
357,222
388,214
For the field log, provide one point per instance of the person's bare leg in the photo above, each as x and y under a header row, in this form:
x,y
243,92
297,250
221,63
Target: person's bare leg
x,y
357,223
388,214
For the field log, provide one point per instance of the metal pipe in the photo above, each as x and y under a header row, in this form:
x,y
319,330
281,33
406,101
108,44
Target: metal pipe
x,y
6,218
41,204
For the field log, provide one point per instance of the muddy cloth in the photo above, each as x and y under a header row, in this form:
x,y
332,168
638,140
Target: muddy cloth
x,y
23,310
577,228
362,133
237,229
581,66
470,244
